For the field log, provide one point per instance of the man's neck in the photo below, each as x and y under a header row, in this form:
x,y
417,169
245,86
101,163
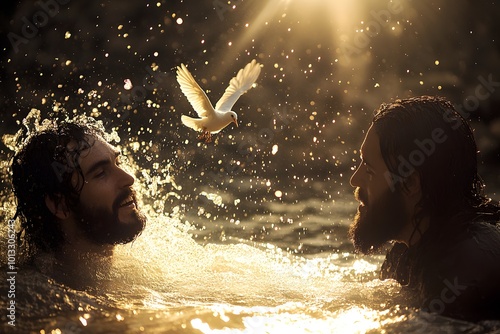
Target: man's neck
x,y
81,247
80,263
413,232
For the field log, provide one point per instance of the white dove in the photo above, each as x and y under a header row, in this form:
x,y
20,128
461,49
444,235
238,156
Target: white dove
x,y
213,120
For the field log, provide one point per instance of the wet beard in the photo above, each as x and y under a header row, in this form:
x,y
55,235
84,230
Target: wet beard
x,y
103,227
378,222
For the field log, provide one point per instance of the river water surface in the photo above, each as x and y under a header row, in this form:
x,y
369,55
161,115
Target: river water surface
x,y
247,234
245,258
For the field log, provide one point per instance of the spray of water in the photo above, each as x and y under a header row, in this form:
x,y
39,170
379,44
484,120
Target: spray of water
x,y
166,281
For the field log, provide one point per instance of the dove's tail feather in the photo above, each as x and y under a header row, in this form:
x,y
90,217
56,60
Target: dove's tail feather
x,y
193,123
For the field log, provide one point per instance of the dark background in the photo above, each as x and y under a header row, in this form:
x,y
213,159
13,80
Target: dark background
x,y
323,76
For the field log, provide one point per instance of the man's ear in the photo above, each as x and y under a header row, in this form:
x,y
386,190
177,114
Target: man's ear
x,y
57,205
411,186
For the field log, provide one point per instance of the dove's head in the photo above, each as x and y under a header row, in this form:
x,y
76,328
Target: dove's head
x,y
233,117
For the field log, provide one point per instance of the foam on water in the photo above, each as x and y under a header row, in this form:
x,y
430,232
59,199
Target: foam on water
x,y
241,287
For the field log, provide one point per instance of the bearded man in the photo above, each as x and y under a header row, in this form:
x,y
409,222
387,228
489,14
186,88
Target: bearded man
x,y
75,202
418,186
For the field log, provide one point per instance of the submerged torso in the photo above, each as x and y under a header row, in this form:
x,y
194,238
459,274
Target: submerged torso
x,y
453,272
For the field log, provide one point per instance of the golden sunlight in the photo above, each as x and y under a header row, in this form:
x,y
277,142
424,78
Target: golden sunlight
x,y
289,319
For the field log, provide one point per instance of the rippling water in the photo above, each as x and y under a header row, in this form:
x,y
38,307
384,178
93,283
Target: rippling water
x,y
243,258
264,250
186,274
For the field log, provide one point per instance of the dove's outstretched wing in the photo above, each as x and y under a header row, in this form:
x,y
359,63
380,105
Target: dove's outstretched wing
x,y
238,86
195,95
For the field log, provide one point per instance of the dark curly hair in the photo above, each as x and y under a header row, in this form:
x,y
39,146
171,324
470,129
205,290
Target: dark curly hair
x,y
428,135
43,167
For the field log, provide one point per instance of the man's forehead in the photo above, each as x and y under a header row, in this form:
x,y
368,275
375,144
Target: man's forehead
x,y
98,148
370,140
370,149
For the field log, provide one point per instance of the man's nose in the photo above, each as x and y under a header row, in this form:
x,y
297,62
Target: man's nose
x,y
355,180
126,179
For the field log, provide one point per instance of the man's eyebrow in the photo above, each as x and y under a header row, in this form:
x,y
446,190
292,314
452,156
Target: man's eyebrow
x,y
101,163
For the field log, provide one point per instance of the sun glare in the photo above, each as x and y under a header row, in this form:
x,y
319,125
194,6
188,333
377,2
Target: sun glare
x,y
302,21
281,320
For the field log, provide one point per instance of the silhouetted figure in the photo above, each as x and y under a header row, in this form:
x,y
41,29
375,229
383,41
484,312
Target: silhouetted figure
x,y
418,186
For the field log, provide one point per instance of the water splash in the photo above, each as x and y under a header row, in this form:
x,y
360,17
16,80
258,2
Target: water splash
x,y
166,281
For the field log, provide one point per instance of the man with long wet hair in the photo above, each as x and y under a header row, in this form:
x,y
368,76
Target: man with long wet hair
x,y
418,186
74,201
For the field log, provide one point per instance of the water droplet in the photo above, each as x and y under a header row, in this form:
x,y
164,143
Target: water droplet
x,y
128,84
